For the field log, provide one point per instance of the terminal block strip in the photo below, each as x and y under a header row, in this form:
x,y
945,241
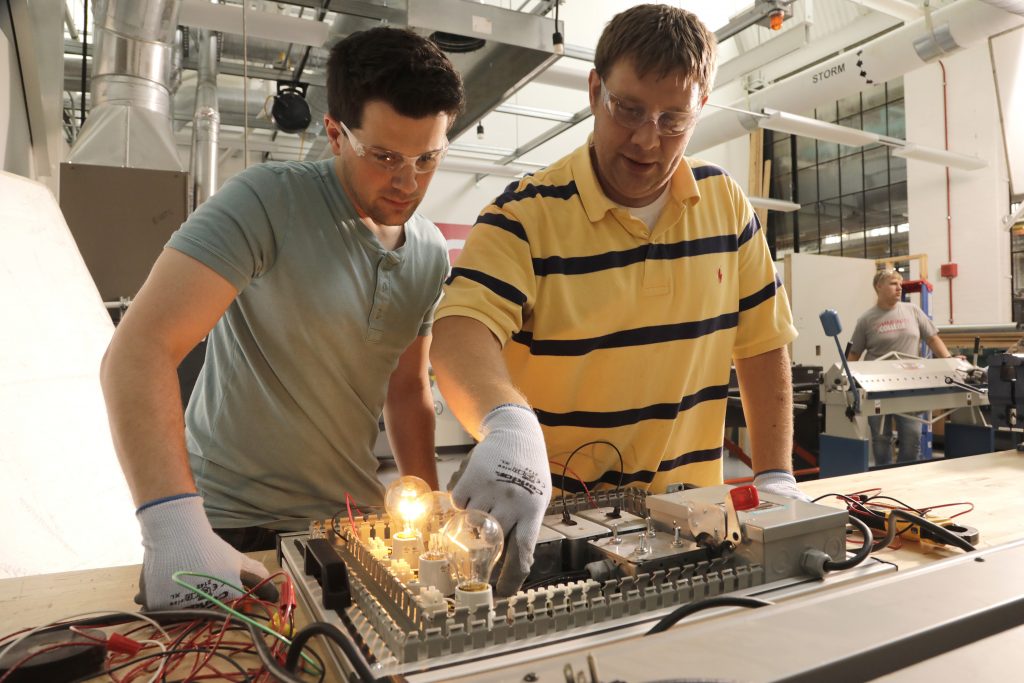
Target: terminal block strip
x,y
397,623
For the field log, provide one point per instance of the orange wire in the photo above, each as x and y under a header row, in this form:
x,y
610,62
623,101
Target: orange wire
x,y
593,503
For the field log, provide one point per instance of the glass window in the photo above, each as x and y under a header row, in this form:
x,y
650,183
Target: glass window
x,y
783,232
782,160
782,187
876,208
849,105
827,151
828,179
826,113
874,95
897,168
894,89
898,202
807,230
874,120
851,173
897,120
807,184
806,152
876,167
854,199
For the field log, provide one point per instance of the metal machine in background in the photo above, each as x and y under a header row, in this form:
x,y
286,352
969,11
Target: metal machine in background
x,y
851,391
903,385
1006,391
605,569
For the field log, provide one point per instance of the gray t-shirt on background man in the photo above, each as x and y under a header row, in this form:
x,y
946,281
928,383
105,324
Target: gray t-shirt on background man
x,y
899,329
285,412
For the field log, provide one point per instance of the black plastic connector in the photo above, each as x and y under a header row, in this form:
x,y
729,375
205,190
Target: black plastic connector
x,y
323,564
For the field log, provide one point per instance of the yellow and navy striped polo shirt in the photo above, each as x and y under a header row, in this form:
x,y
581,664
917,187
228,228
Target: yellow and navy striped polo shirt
x,y
618,333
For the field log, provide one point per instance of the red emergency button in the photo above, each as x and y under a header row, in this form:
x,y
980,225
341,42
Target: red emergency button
x,y
744,497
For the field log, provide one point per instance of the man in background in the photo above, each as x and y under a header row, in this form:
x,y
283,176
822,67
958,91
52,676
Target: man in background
x,y
316,283
605,298
893,325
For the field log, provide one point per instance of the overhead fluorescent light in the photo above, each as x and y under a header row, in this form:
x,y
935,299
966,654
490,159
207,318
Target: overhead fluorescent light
x,y
939,156
784,122
773,204
484,168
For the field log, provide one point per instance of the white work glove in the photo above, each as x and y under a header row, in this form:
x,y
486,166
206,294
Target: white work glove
x,y
177,537
781,483
508,476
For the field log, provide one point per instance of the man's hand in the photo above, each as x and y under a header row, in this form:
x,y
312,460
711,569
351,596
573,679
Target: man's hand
x,y
508,476
177,537
781,483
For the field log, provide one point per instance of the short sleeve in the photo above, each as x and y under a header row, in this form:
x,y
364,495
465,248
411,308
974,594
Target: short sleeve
x,y
233,232
765,320
492,280
859,338
924,323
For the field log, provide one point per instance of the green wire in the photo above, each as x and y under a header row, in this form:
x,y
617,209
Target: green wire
x,y
176,577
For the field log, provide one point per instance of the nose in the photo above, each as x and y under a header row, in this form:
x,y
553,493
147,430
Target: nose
x,y
405,179
646,136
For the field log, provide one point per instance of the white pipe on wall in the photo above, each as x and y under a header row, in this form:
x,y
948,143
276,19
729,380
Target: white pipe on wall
x,y
890,56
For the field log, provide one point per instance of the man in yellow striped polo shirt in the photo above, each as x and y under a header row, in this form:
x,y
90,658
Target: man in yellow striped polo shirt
x,y
605,297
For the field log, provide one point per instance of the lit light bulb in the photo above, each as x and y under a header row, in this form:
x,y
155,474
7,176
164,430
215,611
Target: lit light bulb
x,y
406,511
473,541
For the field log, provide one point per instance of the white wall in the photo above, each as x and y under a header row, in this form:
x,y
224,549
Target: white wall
x,y
978,199
15,146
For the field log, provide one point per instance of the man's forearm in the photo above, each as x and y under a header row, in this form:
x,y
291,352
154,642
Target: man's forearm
x,y
766,391
409,420
143,400
470,370
938,347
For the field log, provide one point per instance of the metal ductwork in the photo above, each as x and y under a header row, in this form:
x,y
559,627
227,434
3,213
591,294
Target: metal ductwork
x,y
129,124
514,47
901,51
1013,6
205,121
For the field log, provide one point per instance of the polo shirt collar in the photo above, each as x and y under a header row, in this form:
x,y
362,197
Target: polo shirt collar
x,y
596,203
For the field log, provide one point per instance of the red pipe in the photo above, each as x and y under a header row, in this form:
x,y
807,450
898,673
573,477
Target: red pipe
x,y
949,211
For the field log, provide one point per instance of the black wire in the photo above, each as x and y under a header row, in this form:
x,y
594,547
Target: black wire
x,y
270,661
862,552
85,36
332,632
565,468
689,608
943,534
894,500
850,500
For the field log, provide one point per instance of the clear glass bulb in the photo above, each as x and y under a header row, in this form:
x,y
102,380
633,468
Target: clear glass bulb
x,y
472,540
440,507
406,510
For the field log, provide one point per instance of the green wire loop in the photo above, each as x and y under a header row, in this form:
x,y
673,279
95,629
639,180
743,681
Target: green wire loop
x,y
176,577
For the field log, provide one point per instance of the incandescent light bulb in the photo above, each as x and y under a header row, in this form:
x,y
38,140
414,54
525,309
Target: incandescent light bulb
x,y
473,541
406,511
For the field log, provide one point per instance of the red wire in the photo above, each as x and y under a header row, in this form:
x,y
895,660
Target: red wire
x,y
348,504
593,503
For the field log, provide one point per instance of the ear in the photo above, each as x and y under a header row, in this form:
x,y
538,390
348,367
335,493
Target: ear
x,y
594,88
334,134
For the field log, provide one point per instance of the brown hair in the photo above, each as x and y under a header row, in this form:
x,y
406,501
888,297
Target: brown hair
x,y
393,65
659,39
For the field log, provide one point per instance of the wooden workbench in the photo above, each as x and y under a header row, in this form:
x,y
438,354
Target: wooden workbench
x,y
994,482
